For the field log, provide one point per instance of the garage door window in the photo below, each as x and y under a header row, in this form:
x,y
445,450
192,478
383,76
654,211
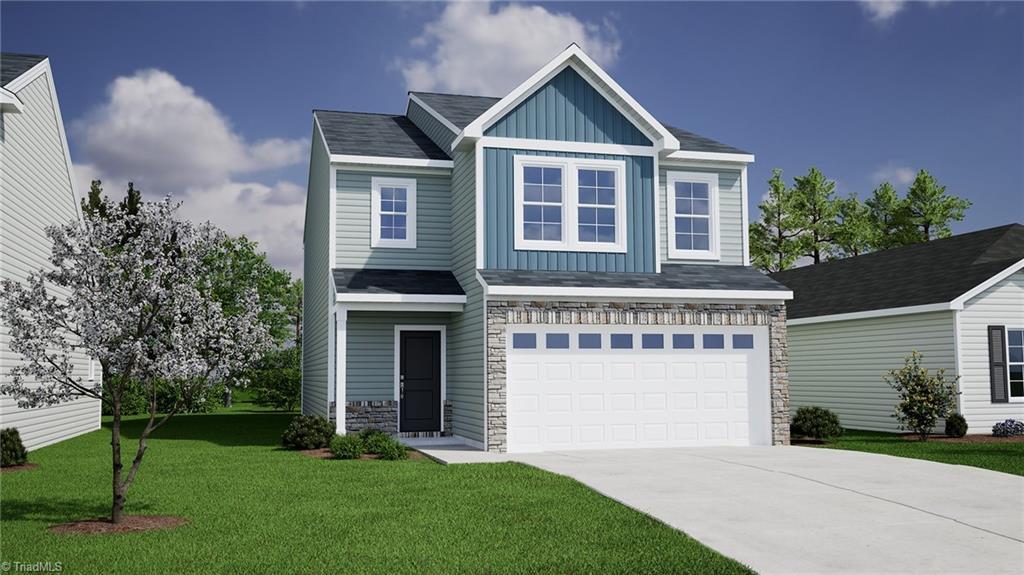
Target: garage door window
x,y
714,341
682,341
622,341
524,341
590,341
557,341
653,341
743,341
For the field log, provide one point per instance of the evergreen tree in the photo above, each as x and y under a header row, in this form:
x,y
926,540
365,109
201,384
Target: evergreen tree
x,y
930,209
775,238
854,232
887,217
818,212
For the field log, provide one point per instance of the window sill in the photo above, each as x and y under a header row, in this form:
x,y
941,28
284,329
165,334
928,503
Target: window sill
x,y
582,247
685,255
394,244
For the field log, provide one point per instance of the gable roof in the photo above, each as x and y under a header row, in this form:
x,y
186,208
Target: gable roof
x,y
935,272
365,134
13,65
391,281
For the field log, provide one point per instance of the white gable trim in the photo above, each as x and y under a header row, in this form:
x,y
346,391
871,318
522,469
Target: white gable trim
x,y
389,161
9,103
572,56
960,301
444,121
712,156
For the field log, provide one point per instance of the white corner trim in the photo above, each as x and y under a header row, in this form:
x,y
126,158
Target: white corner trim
x,y
657,215
409,184
572,56
958,361
745,219
388,161
444,121
9,103
714,225
636,293
398,298
443,330
332,210
1015,267
566,146
712,156
341,363
570,205
478,214
947,306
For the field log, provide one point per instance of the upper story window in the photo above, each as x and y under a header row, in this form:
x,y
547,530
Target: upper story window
x,y
568,204
692,215
393,213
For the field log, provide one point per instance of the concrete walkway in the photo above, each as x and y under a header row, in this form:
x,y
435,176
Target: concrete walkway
x,y
806,510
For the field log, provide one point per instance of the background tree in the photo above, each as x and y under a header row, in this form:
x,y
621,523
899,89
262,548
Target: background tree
x,y
818,211
887,218
293,305
139,302
930,210
854,233
775,238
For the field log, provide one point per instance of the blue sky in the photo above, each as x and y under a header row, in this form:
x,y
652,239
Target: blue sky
x,y
212,102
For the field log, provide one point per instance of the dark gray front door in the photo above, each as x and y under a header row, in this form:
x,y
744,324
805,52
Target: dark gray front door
x,y
419,380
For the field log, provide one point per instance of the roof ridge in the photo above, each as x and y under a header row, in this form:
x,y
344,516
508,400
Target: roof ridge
x,y
452,94
363,113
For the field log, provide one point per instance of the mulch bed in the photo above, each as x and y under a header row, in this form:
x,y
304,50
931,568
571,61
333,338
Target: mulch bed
x,y
325,453
967,438
128,524
13,468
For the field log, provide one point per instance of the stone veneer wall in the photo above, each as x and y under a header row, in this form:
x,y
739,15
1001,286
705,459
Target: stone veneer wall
x,y
503,313
383,415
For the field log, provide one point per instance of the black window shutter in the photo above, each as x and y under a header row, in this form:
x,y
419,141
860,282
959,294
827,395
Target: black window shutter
x,y
997,363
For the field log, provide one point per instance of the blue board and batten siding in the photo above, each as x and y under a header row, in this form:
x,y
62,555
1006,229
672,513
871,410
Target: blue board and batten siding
x,y
499,239
568,108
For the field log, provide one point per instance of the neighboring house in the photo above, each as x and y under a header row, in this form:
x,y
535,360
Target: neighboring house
x,y
511,273
36,190
959,301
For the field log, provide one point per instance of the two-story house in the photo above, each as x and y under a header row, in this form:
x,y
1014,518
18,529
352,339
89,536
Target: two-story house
x,y
552,269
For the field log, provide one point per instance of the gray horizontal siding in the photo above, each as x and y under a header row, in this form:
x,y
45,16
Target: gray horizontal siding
x,y
840,365
370,370
317,292
433,223
730,213
36,192
1001,304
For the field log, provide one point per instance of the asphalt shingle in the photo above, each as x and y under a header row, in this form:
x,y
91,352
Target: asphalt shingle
x,y
363,134
675,276
424,282
13,65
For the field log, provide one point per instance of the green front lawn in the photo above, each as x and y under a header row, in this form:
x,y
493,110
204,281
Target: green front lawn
x,y
255,508
1007,456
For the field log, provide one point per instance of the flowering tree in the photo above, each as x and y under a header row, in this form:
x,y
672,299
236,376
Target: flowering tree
x,y
139,301
924,397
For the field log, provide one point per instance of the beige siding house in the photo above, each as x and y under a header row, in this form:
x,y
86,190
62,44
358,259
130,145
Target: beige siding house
x,y
36,190
958,301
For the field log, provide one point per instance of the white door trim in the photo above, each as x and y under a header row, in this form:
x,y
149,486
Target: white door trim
x,y
443,330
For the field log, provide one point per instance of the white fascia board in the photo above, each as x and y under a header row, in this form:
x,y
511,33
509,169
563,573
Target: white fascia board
x,y
398,298
945,306
637,293
564,146
444,121
9,103
712,157
1017,266
576,57
388,161
405,307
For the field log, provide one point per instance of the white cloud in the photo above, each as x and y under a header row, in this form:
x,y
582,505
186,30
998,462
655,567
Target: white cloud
x,y
882,11
160,134
894,174
475,48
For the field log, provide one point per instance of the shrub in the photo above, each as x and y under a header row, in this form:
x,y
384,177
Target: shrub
x,y
134,401
277,381
1008,428
308,432
956,425
347,446
12,451
391,449
924,398
815,423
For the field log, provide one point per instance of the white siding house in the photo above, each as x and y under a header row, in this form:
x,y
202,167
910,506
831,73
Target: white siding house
x,y
36,190
958,301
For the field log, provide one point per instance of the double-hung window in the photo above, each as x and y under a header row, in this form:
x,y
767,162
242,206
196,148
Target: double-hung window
x,y
393,213
569,204
692,215
1015,362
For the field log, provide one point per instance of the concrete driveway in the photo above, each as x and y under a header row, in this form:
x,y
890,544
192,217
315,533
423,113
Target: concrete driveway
x,y
806,510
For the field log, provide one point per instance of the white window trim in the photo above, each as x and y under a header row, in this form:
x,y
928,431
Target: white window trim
x,y
570,204
1006,338
376,241
711,180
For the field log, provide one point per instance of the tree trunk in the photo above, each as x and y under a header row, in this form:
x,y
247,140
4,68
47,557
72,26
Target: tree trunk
x,y
117,508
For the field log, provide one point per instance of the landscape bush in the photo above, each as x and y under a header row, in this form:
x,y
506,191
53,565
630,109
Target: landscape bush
x,y
382,445
815,422
1008,428
308,432
924,398
347,446
12,450
135,402
956,425
277,380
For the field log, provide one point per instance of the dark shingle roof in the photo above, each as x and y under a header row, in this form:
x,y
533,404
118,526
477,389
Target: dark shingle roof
x,y
432,282
13,65
362,134
938,271
460,110
677,276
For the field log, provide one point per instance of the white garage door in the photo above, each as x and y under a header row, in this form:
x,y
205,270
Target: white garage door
x,y
603,387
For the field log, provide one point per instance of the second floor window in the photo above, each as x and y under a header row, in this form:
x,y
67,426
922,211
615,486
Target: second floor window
x,y
569,204
393,213
692,215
